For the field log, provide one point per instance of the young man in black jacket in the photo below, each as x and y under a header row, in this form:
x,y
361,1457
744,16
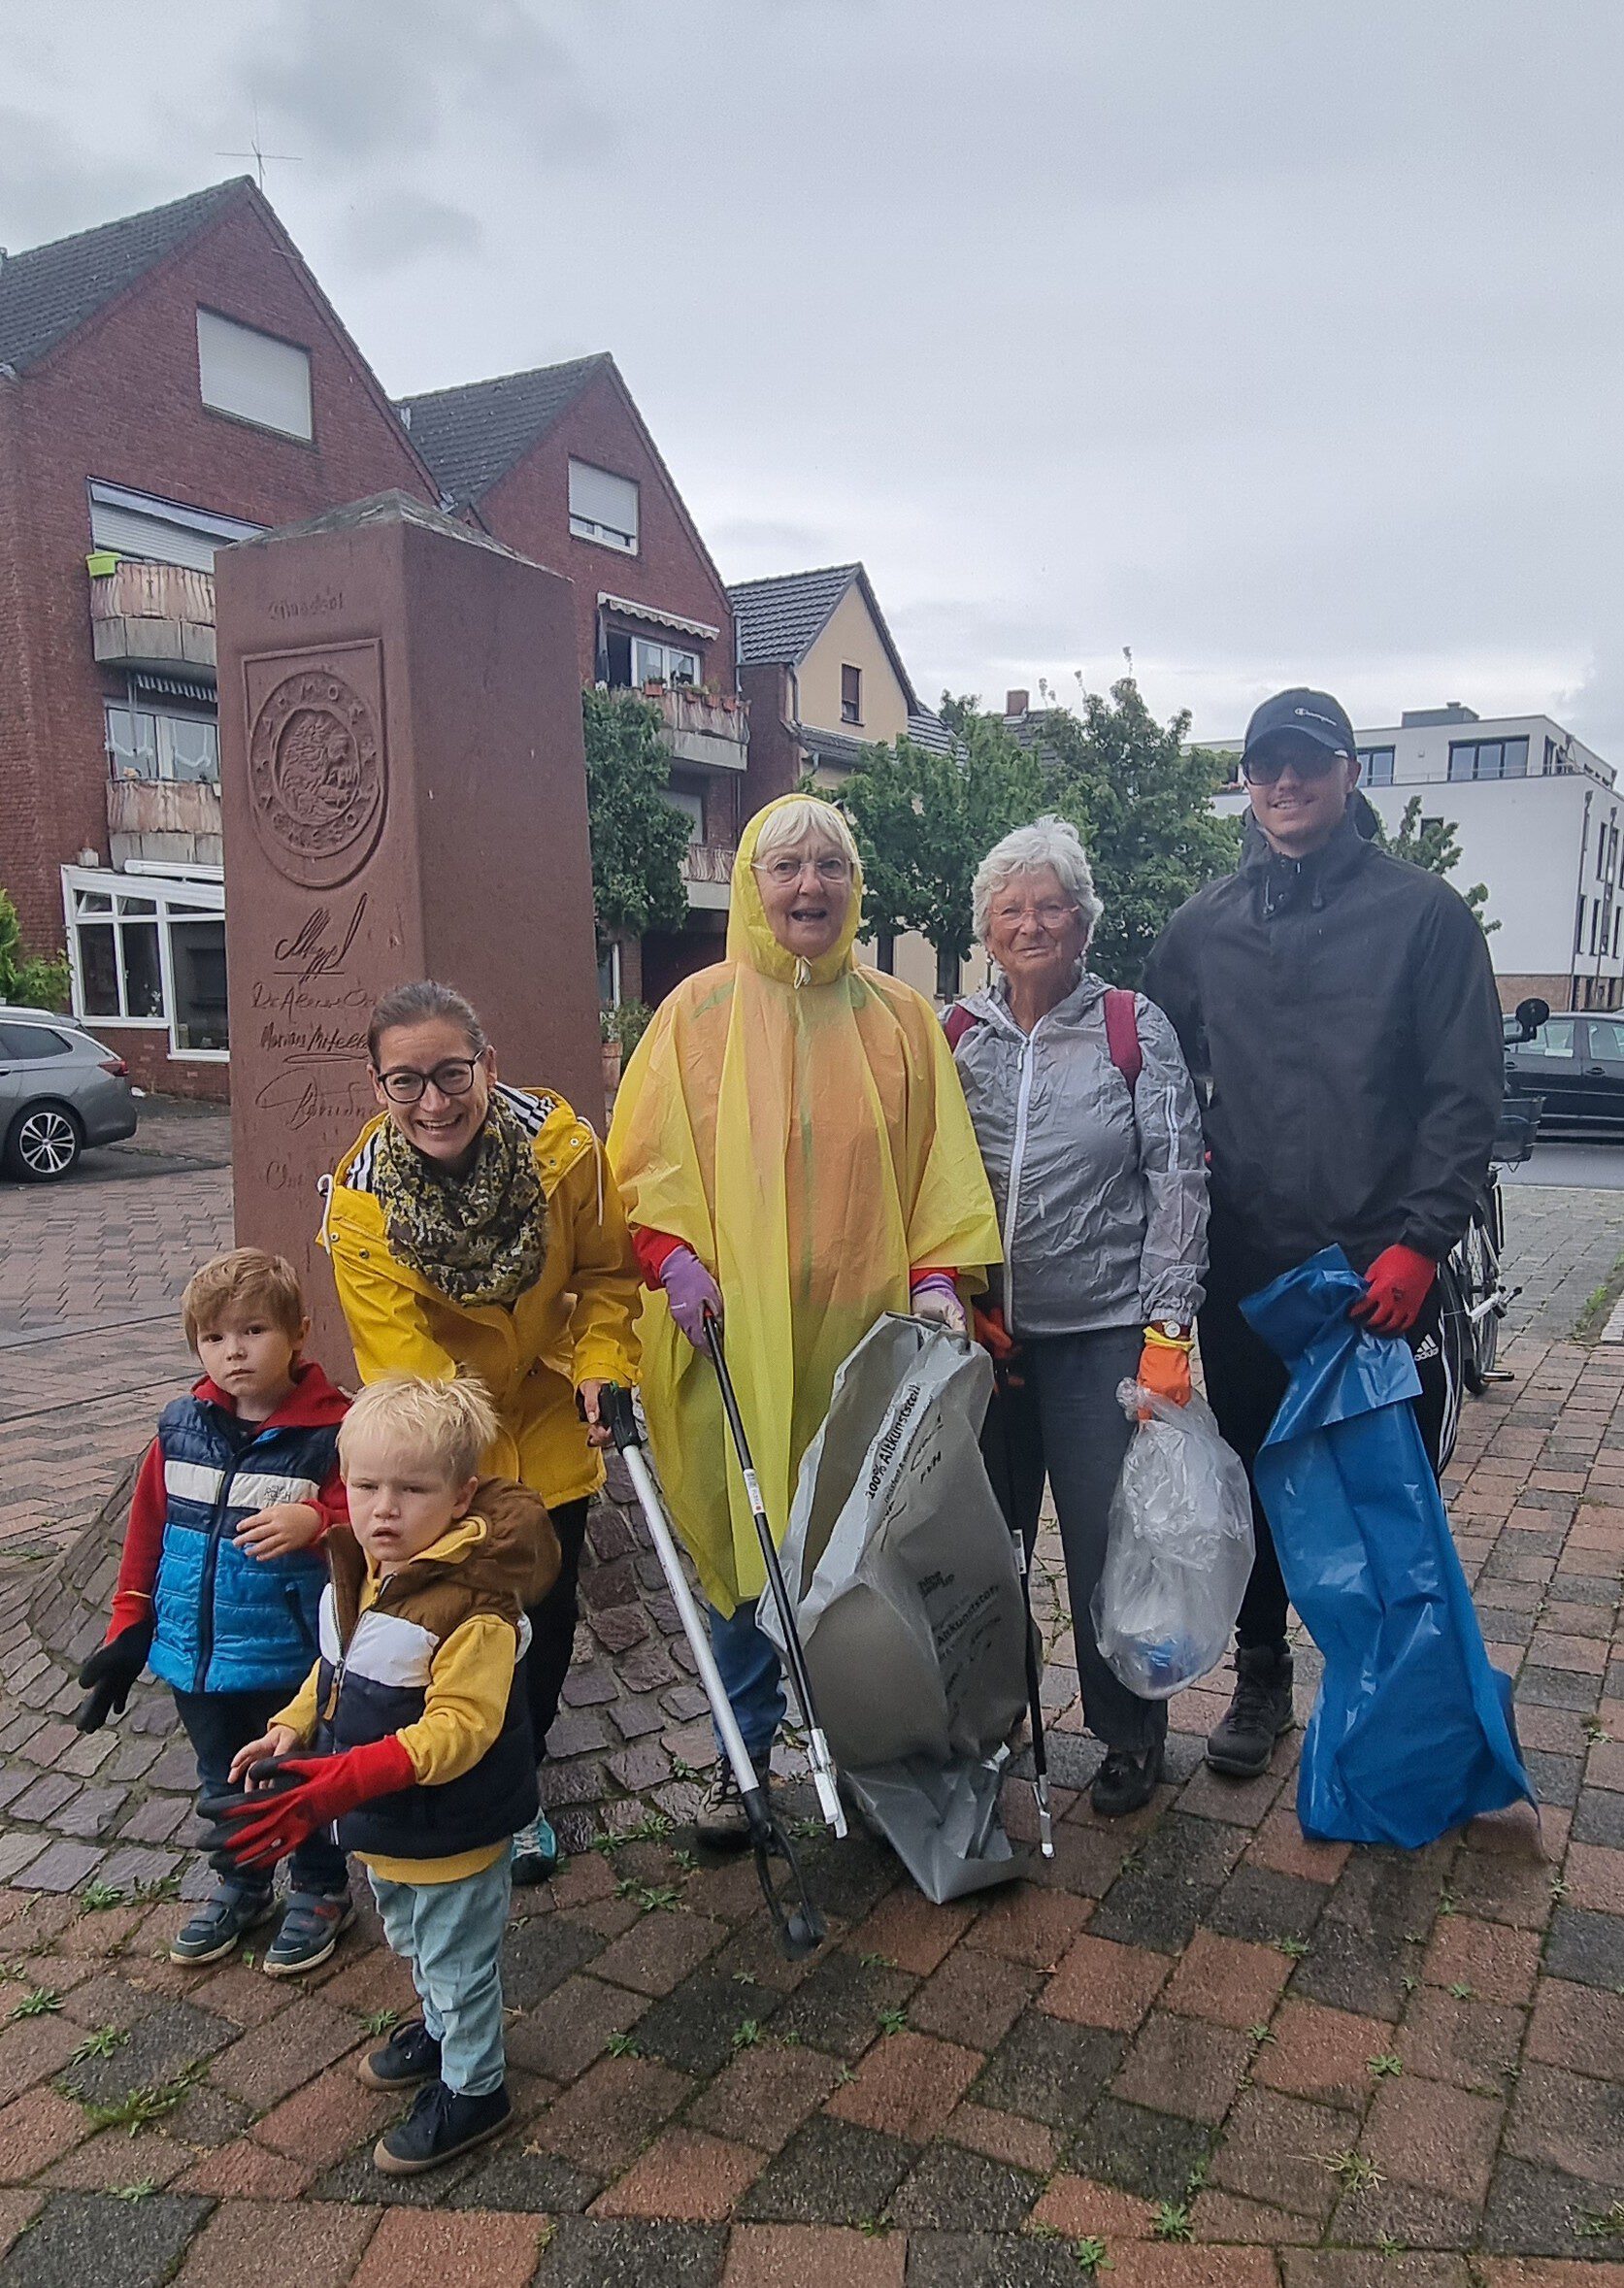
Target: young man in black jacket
x,y
1338,1010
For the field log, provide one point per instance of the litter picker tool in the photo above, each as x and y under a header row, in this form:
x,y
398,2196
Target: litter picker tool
x,y
800,1926
823,1762
1034,1682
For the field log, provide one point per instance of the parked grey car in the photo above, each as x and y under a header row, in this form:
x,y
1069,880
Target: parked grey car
x,y
60,1091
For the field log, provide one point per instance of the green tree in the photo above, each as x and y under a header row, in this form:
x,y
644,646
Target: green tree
x,y
28,980
638,836
925,821
1142,802
1433,844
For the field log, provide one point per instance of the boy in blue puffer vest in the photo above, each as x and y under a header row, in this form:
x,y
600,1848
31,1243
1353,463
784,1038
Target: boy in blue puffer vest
x,y
219,1589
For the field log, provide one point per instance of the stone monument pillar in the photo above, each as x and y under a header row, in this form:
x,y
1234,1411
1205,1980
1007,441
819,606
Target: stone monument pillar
x,y
405,796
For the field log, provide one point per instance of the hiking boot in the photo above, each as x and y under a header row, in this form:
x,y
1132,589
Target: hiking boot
x,y
440,2125
721,1821
226,1915
411,2056
1244,1739
311,1927
535,1852
1125,1782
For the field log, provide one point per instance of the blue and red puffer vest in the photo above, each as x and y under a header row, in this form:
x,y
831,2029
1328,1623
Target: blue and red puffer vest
x,y
224,1621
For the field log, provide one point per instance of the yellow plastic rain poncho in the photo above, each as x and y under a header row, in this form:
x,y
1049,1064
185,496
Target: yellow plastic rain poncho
x,y
809,1143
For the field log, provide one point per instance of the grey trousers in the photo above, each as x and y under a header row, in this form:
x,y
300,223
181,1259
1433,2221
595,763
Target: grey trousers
x,y
1063,1423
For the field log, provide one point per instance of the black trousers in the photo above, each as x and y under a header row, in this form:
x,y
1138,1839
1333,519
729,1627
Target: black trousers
x,y
1245,1382
219,1723
1063,1423
552,1624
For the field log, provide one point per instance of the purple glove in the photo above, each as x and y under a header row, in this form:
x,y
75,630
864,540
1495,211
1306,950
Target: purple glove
x,y
936,1298
691,1291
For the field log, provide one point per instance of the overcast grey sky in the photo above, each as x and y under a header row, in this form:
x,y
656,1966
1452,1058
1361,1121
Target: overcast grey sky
x,y
1278,339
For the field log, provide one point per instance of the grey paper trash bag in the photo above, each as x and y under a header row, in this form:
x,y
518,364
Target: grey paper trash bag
x,y
909,1603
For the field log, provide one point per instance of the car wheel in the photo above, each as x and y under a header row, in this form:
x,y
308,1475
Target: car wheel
x,y
45,1142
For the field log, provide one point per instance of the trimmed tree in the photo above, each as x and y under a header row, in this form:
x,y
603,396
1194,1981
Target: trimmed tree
x,y
1434,844
28,980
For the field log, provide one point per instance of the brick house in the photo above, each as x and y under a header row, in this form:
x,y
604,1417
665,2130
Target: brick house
x,y
559,465
169,383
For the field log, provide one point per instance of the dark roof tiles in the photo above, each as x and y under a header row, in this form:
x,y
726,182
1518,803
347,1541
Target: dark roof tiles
x,y
49,292
782,619
471,435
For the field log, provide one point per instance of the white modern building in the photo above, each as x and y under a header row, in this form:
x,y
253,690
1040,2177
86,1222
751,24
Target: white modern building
x,y
1539,823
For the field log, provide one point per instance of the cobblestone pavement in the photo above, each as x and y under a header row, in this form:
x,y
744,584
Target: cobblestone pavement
x,y
1193,2045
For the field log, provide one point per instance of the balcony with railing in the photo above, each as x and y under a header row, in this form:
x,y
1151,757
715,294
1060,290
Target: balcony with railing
x,y
707,871
153,617
704,729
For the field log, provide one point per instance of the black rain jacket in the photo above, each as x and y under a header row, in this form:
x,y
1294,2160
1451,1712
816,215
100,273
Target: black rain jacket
x,y
1339,1017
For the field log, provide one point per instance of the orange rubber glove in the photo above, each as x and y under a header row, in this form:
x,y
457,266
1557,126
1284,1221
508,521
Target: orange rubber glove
x,y
1164,1367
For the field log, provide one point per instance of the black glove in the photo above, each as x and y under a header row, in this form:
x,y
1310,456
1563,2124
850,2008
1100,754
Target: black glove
x,y
109,1672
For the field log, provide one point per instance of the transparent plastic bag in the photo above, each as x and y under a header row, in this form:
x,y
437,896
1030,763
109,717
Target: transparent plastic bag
x,y
1180,1551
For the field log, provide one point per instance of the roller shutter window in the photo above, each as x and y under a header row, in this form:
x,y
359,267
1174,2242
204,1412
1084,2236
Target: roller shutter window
x,y
253,375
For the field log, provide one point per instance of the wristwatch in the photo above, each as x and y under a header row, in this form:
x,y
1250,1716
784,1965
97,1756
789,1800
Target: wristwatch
x,y
1174,1329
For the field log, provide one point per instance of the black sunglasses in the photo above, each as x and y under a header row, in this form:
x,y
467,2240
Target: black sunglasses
x,y
1306,757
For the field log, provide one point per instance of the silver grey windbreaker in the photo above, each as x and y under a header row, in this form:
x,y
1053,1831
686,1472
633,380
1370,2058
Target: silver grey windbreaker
x,y
1102,1195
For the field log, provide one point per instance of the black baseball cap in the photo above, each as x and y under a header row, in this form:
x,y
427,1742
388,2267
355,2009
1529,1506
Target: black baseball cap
x,y
1303,715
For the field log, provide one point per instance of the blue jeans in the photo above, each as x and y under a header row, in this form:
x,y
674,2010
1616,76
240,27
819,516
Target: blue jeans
x,y
748,1664
217,1724
450,1933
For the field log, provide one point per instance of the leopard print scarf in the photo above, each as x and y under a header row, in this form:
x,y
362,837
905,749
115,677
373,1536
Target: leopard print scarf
x,y
477,1238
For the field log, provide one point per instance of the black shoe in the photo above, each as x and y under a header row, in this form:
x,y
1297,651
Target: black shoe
x,y
1242,1741
721,1821
440,2125
410,2056
1125,1782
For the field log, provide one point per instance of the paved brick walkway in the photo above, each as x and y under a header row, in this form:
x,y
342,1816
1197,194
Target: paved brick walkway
x,y
1193,2047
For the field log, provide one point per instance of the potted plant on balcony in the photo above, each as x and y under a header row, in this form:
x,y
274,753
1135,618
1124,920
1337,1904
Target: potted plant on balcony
x,y
621,1025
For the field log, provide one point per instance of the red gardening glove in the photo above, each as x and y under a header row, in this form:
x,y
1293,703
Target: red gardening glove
x,y
1396,1286
993,1335
1163,1368
308,1793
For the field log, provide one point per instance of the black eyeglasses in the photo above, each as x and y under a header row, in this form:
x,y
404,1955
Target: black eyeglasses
x,y
1306,757
405,1085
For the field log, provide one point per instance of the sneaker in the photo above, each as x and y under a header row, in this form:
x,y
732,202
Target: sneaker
x,y
311,1929
721,1820
535,1852
1243,1740
1125,1782
440,2125
410,2056
226,1915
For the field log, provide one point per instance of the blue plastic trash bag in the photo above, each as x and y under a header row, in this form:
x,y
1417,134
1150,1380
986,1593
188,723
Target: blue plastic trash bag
x,y
1412,1732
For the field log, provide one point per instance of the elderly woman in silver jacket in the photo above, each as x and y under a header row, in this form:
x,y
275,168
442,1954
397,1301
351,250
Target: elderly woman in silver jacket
x,y
1089,1128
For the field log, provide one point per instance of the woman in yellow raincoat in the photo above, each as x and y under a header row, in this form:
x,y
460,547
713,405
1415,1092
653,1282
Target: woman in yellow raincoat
x,y
793,1150
472,1228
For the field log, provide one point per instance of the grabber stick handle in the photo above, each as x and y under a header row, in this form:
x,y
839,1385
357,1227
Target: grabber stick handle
x,y
823,1762
693,1624
1034,1682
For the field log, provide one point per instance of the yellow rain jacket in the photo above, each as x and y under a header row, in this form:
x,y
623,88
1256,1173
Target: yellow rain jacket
x,y
572,1326
809,1143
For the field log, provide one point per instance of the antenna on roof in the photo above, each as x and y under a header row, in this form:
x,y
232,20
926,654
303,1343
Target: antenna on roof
x,y
258,154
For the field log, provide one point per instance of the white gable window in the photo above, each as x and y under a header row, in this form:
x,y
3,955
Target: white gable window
x,y
253,375
603,508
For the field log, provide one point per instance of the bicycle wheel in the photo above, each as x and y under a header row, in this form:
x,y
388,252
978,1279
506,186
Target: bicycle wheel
x,y
1478,1261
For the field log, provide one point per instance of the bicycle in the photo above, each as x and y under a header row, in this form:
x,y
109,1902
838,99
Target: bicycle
x,y
1475,1295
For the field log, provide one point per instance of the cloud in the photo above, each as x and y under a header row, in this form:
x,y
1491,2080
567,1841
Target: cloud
x,y
397,227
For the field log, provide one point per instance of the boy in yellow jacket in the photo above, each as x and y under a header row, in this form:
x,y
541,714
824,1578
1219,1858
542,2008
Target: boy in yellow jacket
x,y
423,1728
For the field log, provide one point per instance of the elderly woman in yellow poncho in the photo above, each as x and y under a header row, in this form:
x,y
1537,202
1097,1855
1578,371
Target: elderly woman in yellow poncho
x,y
793,1150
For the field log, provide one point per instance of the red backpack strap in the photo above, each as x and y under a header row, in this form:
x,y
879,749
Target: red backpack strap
x,y
958,1023
1122,1034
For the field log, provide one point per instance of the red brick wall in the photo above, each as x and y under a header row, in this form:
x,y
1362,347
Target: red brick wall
x,y
145,1051
529,509
776,756
121,401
